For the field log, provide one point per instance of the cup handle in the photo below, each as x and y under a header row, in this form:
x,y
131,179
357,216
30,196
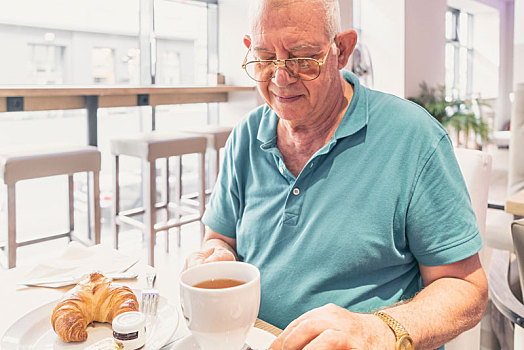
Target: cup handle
x,y
186,313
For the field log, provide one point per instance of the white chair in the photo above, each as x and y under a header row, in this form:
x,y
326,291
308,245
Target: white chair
x,y
498,231
476,170
516,145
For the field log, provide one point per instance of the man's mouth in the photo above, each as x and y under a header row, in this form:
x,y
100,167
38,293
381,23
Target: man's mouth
x,y
287,99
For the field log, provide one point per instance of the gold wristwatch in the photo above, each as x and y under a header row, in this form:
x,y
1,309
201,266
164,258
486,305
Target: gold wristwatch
x,y
404,341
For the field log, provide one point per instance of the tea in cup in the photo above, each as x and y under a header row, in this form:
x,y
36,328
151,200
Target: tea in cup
x,y
220,303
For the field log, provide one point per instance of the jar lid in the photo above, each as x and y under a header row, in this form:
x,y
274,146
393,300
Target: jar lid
x,y
128,322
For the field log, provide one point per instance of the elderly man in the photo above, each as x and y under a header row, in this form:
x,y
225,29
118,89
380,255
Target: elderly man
x,y
350,201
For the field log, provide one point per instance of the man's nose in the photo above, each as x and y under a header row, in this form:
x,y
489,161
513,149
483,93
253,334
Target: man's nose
x,y
283,77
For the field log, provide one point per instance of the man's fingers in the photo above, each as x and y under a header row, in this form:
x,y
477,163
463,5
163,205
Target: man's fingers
x,y
301,335
279,341
329,339
197,258
193,261
219,255
207,256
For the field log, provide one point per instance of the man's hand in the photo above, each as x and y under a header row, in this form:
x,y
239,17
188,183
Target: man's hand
x,y
332,327
216,247
208,255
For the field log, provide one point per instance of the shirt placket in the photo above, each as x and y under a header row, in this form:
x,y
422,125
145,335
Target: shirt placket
x,y
296,192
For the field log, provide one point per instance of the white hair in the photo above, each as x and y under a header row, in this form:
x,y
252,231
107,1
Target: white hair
x,y
331,10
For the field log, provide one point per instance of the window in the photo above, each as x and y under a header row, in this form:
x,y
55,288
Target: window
x,y
169,68
78,42
103,65
46,64
459,53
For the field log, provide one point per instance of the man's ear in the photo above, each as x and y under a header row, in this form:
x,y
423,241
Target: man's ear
x,y
247,41
345,42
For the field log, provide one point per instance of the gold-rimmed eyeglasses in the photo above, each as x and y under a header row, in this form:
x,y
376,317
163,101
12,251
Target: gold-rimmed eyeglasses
x,y
301,68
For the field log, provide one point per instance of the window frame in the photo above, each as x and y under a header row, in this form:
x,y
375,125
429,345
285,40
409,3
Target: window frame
x,y
461,44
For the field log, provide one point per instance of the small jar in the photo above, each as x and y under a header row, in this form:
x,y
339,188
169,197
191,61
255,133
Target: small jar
x,y
129,328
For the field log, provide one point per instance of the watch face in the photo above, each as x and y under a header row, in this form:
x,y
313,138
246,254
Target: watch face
x,y
405,343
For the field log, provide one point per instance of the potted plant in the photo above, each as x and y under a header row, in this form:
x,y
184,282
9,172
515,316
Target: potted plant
x,y
456,115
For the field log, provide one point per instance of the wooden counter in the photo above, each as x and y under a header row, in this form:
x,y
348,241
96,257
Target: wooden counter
x,y
45,98
515,204
40,98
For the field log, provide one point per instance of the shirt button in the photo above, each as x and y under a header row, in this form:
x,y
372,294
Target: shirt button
x,y
281,169
296,191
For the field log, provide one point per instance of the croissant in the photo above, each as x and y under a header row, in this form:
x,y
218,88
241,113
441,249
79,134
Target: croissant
x,y
93,299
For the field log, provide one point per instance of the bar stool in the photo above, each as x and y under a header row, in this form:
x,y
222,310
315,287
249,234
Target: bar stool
x,y
216,139
149,147
24,164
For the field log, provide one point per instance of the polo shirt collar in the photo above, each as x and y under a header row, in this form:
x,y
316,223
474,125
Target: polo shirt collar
x,y
355,118
267,132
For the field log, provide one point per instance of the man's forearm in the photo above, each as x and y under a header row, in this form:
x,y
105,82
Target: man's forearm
x,y
442,310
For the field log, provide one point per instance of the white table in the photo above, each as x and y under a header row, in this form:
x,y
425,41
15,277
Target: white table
x,y
16,300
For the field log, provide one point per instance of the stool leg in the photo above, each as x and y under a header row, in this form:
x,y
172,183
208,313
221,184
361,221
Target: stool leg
x,y
70,187
167,203
178,195
202,193
116,198
11,226
149,193
96,201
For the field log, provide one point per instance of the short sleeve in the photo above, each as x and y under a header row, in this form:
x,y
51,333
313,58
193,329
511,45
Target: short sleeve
x,y
222,211
441,225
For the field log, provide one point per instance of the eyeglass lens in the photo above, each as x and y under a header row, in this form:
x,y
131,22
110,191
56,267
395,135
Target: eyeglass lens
x,y
305,69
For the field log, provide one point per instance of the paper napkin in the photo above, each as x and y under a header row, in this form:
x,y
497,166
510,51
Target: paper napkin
x,y
75,262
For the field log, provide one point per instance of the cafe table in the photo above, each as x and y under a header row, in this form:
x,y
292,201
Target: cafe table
x,y
515,204
18,300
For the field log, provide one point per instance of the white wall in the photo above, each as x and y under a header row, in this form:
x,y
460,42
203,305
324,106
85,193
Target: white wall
x,y
383,33
519,43
425,43
486,55
346,14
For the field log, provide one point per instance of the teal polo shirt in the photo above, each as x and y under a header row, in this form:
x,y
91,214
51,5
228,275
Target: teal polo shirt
x,y
383,195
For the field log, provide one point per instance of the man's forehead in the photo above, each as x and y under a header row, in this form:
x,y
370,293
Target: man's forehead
x,y
294,48
300,17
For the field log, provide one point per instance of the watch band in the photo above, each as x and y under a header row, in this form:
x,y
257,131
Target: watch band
x,y
395,326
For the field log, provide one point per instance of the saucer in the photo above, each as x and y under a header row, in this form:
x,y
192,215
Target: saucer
x,y
256,338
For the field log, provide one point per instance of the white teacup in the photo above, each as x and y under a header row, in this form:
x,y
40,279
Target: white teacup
x,y
220,319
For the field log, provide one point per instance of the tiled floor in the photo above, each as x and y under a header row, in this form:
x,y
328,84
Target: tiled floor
x,y
132,243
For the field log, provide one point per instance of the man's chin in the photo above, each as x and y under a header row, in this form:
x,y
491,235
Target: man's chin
x,y
288,110
288,115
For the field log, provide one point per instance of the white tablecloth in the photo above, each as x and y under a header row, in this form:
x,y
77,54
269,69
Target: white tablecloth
x,y
16,301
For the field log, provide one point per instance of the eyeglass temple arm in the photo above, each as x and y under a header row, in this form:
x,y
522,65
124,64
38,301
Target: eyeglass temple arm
x,y
321,62
245,58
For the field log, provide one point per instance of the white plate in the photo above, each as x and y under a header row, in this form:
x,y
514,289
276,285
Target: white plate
x,y
256,338
34,330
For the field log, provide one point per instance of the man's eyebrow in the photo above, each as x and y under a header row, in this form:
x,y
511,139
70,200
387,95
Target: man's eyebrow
x,y
305,47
